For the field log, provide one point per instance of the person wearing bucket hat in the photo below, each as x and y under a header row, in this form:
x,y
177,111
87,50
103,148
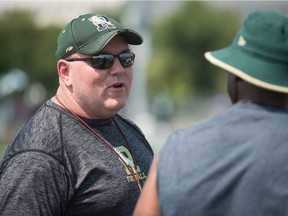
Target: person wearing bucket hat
x,y
235,162
78,155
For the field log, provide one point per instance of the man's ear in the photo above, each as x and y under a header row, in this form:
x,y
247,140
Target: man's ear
x,y
63,69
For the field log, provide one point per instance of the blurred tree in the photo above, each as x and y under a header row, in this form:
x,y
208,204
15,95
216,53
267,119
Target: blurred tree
x,y
30,47
177,66
179,44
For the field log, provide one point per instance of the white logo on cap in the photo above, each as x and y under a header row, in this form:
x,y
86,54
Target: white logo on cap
x,y
102,23
68,49
241,41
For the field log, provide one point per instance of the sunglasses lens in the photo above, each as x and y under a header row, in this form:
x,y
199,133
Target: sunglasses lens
x,y
127,59
102,61
106,61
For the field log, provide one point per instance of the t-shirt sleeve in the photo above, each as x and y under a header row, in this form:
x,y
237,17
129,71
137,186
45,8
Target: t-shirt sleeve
x,y
33,183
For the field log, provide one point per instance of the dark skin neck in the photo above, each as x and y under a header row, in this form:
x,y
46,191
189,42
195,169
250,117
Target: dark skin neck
x,y
240,90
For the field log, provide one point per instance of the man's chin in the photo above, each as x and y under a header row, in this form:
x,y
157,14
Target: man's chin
x,y
115,105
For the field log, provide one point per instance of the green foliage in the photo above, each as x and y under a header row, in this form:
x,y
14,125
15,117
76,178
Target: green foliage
x,y
180,42
29,47
177,62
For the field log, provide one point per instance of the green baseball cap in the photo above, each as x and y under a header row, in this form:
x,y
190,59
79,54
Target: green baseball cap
x,y
259,51
90,33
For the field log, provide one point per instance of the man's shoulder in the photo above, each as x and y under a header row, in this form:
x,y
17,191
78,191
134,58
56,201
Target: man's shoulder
x,y
125,120
41,134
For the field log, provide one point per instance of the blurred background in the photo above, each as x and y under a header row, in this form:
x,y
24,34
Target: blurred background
x,y
173,87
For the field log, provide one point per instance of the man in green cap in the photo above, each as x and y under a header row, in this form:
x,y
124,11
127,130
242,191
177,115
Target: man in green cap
x,y
234,163
77,155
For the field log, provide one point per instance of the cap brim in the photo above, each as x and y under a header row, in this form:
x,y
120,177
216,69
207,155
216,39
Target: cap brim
x,y
96,45
264,74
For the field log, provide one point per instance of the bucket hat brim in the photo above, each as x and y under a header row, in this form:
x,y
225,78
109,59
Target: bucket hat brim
x,y
264,74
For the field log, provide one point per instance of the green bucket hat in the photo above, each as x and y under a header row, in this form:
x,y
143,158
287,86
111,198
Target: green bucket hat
x,y
90,33
259,52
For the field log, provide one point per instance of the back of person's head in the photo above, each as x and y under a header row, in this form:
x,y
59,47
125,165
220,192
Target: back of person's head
x,y
258,54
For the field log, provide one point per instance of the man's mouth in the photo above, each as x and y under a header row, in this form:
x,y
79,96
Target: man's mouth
x,y
117,85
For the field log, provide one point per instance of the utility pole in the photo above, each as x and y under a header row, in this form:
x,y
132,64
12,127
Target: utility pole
x,y
137,17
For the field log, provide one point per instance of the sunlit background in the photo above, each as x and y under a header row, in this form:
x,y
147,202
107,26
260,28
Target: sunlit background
x,y
173,86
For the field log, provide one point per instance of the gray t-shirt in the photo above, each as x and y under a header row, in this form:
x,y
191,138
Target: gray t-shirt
x,y
232,164
56,166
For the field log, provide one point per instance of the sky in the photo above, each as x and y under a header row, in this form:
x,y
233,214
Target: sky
x,y
54,11
63,11
58,11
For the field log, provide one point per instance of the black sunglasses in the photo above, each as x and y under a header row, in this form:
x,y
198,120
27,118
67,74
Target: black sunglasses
x,y
105,61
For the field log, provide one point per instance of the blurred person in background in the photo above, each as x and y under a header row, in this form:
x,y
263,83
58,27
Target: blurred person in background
x,y
234,163
77,155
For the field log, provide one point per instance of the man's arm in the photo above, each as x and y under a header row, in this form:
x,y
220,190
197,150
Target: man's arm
x,y
33,183
147,204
